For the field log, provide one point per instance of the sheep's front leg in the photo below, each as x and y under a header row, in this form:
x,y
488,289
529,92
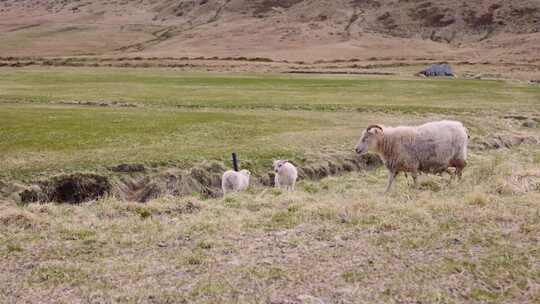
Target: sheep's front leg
x,y
391,178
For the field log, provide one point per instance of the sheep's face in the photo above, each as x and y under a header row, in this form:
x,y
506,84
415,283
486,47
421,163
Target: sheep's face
x,y
369,139
278,164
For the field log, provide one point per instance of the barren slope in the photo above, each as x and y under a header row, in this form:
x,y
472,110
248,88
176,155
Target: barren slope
x,y
282,29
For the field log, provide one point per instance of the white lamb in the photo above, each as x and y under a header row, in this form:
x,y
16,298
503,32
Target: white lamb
x,y
286,174
233,181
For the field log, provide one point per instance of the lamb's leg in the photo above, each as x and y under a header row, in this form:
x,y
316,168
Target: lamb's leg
x,y
415,178
391,178
451,173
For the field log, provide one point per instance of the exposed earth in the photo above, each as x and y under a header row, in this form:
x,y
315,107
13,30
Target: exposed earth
x,y
476,31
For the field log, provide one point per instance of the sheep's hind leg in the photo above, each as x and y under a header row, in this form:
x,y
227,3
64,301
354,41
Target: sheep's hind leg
x,y
459,168
414,176
391,178
459,164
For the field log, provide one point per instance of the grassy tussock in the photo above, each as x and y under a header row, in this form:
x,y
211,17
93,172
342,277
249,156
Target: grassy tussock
x,y
338,240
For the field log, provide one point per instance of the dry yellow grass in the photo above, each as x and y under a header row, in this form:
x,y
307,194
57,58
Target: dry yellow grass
x,y
334,241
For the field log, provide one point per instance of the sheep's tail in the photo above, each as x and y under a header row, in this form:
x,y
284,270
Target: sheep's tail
x,y
463,147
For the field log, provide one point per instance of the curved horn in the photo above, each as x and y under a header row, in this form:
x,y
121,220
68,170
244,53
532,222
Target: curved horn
x,y
374,127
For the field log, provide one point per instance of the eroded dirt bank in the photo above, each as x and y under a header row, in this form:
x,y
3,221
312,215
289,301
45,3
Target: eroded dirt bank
x,y
133,182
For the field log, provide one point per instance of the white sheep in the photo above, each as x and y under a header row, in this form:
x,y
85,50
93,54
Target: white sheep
x,y
286,174
430,148
233,181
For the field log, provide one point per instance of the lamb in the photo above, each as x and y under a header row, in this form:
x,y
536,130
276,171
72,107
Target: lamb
x,y
233,181
429,148
286,174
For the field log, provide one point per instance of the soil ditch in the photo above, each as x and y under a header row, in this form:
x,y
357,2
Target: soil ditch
x,y
133,182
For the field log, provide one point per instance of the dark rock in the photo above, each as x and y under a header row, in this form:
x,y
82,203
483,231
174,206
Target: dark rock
x,y
438,70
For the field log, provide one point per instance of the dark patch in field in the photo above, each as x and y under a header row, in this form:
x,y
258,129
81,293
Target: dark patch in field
x,y
25,27
100,103
502,141
516,117
365,3
338,72
32,195
204,179
128,168
268,5
431,16
73,189
482,21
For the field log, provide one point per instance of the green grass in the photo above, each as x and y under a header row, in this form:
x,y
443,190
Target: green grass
x,y
185,118
169,87
42,138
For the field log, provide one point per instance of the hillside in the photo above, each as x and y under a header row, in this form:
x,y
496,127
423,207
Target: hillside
x,y
288,29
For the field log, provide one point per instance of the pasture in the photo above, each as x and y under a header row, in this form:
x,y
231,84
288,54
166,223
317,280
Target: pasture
x,y
69,119
335,240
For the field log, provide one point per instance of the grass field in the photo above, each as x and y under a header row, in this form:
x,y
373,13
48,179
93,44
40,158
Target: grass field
x,y
337,240
183,118
172,88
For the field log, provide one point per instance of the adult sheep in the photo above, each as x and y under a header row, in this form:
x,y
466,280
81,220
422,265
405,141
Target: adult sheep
x,y
433,147
233,181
